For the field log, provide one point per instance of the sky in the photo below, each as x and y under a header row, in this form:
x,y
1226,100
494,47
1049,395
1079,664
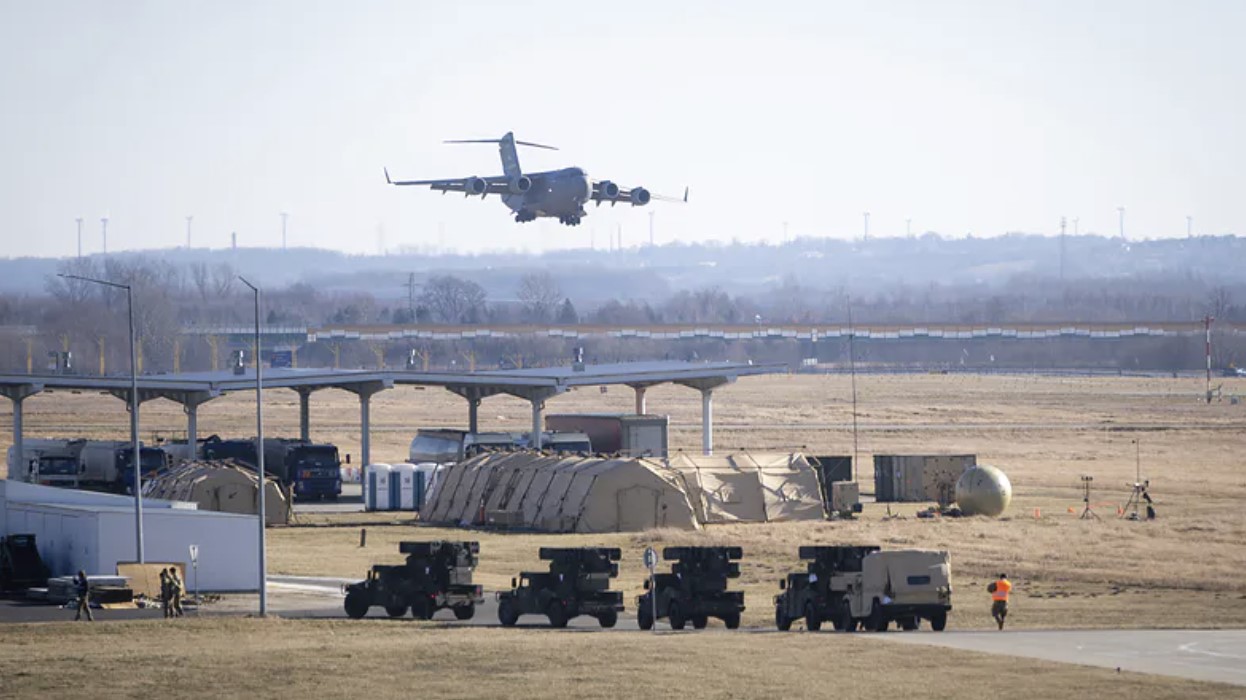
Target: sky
x,y
783,118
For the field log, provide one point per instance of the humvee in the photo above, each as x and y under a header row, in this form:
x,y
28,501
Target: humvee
x,y
576,584
695,589
902,586
437,575
809,594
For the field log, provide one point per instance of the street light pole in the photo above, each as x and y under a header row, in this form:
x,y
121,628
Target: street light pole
x,y
136,462
259,446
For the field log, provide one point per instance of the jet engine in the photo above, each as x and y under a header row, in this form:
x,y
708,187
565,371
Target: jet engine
x,y
640,197
475,186
521,184
607,190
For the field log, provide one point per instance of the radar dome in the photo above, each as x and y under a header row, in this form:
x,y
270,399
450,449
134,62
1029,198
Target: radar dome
x,y
983,490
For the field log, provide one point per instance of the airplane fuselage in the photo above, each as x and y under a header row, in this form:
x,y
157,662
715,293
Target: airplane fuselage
x,y
557,193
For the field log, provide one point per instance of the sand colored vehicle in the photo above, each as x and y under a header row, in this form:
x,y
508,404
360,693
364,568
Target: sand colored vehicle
x,y
903,586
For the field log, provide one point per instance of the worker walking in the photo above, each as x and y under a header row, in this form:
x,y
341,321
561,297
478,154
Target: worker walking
x,y
84,596
166,597
999,591
176,589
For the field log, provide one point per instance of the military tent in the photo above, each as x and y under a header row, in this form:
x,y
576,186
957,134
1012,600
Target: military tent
x,y
225,486
750,487
560,494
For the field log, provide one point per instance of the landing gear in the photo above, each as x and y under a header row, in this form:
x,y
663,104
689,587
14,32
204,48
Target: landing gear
x,y
573,220
523,216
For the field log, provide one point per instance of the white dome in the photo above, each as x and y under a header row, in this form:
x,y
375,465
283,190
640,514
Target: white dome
x,y
983,490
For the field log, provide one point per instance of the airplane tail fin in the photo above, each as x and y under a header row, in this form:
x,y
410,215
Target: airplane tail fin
x,y
506,148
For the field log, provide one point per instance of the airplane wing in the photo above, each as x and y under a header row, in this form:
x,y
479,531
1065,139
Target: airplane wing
x,y
497,184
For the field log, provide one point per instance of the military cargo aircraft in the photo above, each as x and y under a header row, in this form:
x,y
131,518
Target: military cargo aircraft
x,y
561,193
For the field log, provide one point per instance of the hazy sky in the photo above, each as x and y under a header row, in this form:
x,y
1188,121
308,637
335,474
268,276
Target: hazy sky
x,y
980,117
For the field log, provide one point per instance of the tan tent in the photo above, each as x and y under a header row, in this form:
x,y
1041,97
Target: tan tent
x,y
560,494
224,486
750,487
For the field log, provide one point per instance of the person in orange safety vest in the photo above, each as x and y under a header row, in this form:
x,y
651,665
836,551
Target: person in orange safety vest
x,y
999,591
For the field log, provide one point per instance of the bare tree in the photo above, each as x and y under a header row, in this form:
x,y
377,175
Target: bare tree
x,y
202,279
453,300
539,293
223,277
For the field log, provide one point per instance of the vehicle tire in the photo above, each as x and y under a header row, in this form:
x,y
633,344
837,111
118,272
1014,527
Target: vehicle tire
x,y
699,622
812,622
938,621
732,621
676,617
877,621
846,623
465,612
557,615
506,613
357,604
908,624
781,620
644,616
422,608
396,609
608,619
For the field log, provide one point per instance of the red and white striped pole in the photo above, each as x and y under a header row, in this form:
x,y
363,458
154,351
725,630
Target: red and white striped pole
x,y
1207,321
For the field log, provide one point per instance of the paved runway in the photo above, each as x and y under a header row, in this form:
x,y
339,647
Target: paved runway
x,y
1204,655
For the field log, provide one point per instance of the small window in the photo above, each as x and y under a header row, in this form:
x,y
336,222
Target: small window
x,y
919,580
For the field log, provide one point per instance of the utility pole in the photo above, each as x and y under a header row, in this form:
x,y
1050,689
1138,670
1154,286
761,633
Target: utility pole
x,y
79,220
104,232
1189,227
410,285
1121,212
1207,321
867,226
283,230
188,220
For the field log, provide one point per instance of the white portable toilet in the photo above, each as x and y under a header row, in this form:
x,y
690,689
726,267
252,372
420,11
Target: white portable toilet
x,y
425,475
376,486
405,478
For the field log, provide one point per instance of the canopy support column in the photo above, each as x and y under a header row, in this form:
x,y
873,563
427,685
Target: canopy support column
x,y
365,392
706,387
17,394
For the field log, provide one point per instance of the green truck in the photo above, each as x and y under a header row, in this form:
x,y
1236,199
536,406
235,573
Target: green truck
x,y
437,575
577,583
694,590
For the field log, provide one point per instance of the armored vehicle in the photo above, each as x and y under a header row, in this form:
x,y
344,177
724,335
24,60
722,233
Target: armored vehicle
x,y
695,589
902,586
810,594
437,575
576,584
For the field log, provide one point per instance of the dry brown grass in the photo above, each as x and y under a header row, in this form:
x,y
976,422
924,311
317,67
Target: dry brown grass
x,y
270,658
1182,570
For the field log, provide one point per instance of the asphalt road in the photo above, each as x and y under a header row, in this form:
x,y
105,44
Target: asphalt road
x,y
351,501
1204,655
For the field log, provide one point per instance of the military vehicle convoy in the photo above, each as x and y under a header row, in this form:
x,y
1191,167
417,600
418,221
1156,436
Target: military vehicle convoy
x,y
861,586
576,584
437,575
695,589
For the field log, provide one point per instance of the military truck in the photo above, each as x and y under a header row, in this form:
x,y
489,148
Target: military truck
x,y
903,586
98,465
576,584
437,575
809,594
695,589
311,471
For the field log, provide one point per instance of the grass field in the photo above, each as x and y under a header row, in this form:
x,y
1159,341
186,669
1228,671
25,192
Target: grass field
x,y
1181,570
229,657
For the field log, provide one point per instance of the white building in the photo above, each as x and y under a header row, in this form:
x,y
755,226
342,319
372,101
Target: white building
x,y
94,531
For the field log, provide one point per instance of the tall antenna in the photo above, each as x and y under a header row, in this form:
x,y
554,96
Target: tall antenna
x,y
104,232
410,285
79,220
852,371
283,229
1062,224
188,220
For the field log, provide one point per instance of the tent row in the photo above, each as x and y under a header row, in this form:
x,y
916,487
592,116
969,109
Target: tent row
x,y
557,493
227,486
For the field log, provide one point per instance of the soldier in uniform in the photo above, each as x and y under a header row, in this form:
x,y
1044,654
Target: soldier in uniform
x,y
166,599
176,589
84,596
